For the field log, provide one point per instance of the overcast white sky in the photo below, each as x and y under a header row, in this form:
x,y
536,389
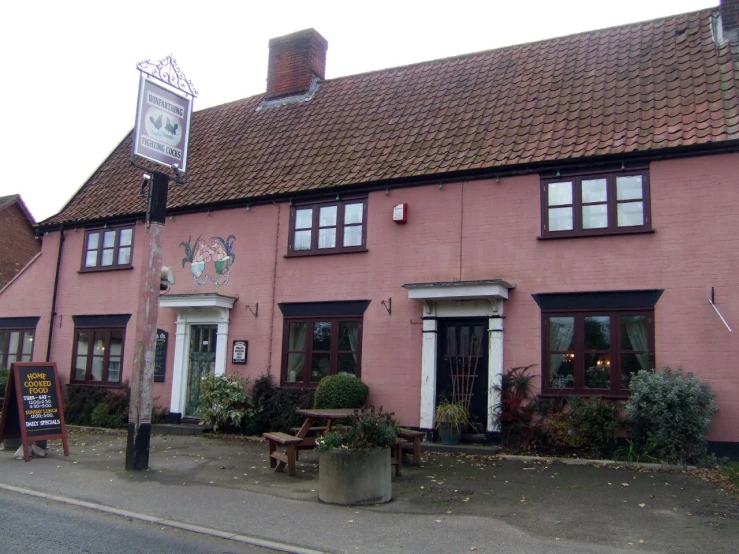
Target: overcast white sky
x,y
70,82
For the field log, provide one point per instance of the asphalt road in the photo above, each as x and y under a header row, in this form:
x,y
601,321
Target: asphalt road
x,y
30,525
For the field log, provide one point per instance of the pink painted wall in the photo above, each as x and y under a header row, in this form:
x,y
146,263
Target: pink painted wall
x,y
694,214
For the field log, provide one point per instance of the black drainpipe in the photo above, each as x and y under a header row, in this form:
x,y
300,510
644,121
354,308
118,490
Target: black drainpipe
x,y
56,286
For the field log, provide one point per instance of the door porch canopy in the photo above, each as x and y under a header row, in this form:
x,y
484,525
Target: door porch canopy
x,y
455,299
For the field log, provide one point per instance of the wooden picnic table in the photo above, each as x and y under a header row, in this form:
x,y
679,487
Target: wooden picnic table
x,y
301,440
312,415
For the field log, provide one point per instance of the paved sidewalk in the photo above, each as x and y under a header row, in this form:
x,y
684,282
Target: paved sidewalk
x,y
452,503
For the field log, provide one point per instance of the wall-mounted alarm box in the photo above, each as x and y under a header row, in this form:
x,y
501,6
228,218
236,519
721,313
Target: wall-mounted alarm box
x,y
400,213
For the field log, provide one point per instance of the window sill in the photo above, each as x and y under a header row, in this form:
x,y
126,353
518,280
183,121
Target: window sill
x,y
103,269
97,384
609,395
580,234
327,252
286,385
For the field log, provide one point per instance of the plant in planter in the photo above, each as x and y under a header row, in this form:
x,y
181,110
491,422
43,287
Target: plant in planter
x,y
451,419
354,461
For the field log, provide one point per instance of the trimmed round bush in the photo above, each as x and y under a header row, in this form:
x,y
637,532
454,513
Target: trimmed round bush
x,y
340,391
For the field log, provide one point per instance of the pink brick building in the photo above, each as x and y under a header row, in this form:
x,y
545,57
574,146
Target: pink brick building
x,y
570,203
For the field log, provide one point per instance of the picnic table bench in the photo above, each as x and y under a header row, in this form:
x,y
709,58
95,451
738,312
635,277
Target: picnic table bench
x,y
414,438
279,460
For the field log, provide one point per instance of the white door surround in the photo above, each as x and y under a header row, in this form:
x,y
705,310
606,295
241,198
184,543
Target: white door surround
x,y
459,299
195,309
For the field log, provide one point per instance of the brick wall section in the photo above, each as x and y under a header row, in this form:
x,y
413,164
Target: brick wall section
x,y
730,15
17,243
294,62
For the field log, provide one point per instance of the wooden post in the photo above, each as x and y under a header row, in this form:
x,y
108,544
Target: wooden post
x,y
142,380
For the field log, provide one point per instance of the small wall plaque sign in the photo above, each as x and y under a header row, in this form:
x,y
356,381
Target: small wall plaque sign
x,y
240,351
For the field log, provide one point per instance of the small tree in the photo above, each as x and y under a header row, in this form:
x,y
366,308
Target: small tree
x,y
669,414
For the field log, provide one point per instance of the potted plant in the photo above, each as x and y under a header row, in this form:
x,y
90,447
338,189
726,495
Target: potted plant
x,y
451,418
354,461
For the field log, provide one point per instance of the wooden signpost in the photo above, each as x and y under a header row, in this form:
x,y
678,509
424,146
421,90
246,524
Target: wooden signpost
x,y
32,409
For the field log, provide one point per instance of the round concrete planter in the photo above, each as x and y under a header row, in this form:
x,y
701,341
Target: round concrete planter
x,y
350,477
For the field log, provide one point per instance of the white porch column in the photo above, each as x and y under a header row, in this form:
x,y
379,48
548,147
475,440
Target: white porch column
x,y
428,373
179,384
222,344
495,365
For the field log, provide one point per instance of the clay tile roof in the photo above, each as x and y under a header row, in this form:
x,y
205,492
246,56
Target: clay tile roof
x,y
652,85
7,199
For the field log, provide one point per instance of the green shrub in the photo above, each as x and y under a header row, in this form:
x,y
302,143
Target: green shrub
x,y
588,428
4,374
668,413
102,416
159,415
559,433
340,391
731,471
367,428
274,407
224,404
109,406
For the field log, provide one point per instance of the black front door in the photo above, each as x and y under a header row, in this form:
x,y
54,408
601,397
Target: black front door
x,y
462,367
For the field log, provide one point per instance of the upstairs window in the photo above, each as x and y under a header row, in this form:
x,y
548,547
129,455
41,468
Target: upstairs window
x,y
328,228
596,204
107,249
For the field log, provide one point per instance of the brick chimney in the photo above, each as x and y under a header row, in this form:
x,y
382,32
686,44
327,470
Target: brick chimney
x,y
296,61
730,19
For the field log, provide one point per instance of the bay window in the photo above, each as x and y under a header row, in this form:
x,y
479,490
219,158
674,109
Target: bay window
x,y
317,347
98,355
594,342
16,345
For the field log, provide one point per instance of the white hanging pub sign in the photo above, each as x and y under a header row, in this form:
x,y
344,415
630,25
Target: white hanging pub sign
x,y
162,126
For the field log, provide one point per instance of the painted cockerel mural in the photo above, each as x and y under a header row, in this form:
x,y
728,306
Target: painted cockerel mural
x,y
217,251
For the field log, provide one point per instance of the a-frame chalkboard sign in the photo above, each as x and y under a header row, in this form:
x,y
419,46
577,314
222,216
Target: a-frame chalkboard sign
x,y
33,409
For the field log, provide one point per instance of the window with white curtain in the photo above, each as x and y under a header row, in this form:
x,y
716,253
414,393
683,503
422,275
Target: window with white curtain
x,y
596,352
318,346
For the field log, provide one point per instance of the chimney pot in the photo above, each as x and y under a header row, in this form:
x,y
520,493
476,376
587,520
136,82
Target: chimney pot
x,y
296,61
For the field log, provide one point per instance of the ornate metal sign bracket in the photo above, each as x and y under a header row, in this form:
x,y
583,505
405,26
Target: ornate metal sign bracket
x,y
167,71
